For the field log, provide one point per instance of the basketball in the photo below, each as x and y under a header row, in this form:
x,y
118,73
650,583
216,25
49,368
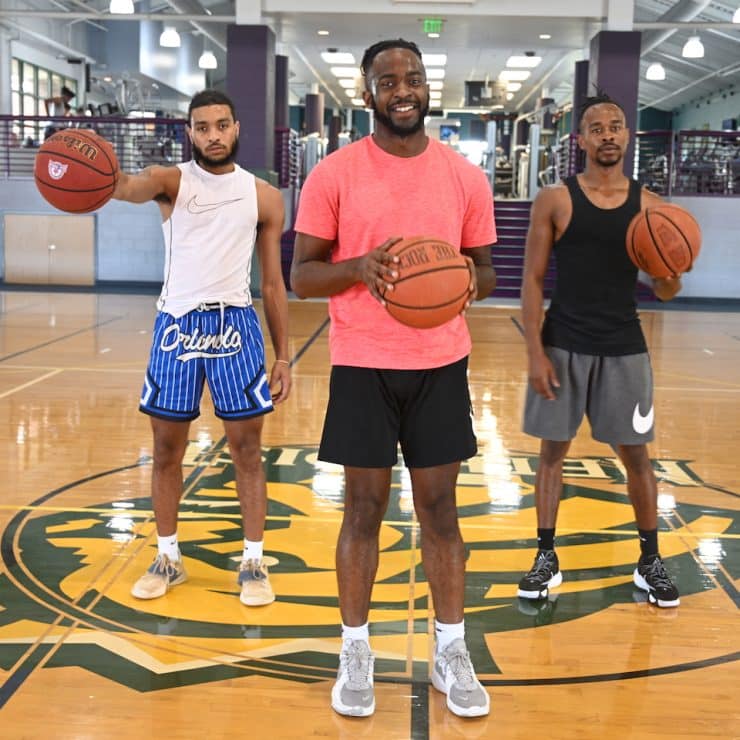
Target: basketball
x,y
663,240
76,170
432,284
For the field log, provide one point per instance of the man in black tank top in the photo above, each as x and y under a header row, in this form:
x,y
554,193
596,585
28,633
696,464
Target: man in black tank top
x,y
589,355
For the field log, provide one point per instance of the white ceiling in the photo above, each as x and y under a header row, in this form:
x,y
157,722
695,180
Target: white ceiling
x,y
478,36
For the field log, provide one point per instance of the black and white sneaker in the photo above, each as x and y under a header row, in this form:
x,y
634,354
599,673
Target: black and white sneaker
x,y
651,576
545,574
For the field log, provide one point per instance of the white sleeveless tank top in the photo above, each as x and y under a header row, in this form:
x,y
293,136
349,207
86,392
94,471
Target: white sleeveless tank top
x,y
209,240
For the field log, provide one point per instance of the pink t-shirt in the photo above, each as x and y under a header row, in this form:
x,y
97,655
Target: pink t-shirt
x,y
359,197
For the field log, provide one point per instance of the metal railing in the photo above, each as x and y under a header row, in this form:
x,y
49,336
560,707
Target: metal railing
x,y
653,164
676,162
138,142
707,163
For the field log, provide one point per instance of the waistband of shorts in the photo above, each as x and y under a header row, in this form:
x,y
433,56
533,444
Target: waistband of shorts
x,y
217,306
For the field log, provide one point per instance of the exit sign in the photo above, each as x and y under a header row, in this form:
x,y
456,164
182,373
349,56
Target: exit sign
x,y
432,25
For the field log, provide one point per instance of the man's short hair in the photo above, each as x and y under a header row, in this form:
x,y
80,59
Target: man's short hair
x,y
600,99
211,97
67,92
372,51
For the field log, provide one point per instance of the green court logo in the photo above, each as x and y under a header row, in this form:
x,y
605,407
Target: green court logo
x,y
68,569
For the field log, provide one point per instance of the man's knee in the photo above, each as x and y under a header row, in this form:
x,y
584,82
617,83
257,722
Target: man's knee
x,y
553,453
437,513
635,459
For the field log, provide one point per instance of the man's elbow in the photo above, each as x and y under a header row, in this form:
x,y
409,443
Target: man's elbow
x,y
296,283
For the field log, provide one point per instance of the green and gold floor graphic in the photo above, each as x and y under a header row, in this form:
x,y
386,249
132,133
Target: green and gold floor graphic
x,y
68,568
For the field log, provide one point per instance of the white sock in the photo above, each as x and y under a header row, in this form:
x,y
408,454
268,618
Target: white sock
x,y
355,633
446,633
252,550
168,546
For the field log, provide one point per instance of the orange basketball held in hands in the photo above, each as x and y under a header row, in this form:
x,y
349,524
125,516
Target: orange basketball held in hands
x,y
663,240
76,170
433,282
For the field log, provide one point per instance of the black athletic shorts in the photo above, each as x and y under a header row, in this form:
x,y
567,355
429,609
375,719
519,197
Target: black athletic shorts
x,y
370,411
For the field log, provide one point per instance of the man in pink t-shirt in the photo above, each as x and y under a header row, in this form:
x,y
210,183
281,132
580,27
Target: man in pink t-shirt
x,y
391,383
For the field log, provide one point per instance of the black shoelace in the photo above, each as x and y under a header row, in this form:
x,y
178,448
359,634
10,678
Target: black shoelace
x,y
542,565
657,576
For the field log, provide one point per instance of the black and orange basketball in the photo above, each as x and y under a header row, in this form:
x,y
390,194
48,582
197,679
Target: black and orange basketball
x,y
432,284
663,240
76,170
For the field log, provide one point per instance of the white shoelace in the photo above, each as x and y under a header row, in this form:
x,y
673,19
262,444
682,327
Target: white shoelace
x,y
356,662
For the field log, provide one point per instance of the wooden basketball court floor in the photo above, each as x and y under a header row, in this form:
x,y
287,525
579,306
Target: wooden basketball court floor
x,y
79,658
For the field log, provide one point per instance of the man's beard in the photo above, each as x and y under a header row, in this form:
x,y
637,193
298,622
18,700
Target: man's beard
x,y
394,128
204,159
609,162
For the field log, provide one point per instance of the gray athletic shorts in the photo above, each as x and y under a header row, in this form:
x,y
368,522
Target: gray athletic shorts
x,y
616,394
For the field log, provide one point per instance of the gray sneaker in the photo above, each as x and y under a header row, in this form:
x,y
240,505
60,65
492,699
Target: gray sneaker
x,y
453,675
352,694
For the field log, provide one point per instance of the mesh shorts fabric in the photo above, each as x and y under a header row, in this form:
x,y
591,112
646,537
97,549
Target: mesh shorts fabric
x,y
223,347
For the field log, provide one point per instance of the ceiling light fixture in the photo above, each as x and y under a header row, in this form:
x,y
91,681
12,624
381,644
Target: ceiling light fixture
x,y
513,87
323,32
693,48
338,57
121,7
526,61
434,60
169,38
358,101
353,72
545,36
208,60
347,82
511,75
736,16
436,73
436,84
655,72
433,35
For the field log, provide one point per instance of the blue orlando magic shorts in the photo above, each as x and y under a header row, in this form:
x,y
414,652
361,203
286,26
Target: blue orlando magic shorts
x,y
224,347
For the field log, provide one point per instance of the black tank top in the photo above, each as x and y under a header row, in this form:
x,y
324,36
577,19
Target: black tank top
x,y
593,309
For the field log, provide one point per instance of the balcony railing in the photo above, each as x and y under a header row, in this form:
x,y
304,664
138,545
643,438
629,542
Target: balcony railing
x,y
138,142
676,162
707,163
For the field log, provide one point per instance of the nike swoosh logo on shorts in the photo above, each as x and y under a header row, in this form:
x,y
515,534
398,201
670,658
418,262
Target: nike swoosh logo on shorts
x,y
197,208
642,424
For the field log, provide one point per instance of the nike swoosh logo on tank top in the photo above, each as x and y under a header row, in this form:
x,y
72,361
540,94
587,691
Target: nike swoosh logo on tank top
x,y
197,208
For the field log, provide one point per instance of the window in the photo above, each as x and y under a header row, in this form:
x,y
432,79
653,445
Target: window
x,y
30,85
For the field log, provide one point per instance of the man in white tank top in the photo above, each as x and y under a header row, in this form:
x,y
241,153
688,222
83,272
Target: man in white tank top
x,y
213,213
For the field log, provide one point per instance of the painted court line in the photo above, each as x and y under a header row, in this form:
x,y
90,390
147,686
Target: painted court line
x,y
30,383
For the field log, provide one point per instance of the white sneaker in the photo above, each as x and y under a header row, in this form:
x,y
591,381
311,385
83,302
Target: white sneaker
x,y
454,676
353,694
